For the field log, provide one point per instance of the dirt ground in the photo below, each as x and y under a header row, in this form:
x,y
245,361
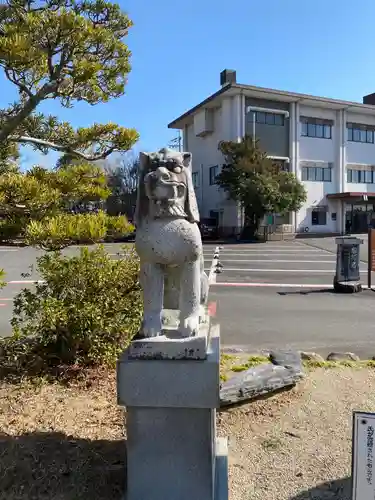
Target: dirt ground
x,y
68,443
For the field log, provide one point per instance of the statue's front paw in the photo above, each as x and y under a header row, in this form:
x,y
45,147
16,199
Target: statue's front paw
x,y
149,329
189,327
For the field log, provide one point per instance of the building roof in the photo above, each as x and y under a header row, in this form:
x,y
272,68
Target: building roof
x,y
232,89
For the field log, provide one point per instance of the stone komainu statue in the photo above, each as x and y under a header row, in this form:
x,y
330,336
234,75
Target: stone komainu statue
x,y
169,243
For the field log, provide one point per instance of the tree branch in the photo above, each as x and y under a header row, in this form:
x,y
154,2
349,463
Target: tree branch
x,y
20,85
59,147
28,107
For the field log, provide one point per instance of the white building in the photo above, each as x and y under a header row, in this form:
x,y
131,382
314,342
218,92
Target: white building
x,y
328,143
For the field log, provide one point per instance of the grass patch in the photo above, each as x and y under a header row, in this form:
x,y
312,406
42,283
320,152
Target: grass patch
x,y
227,357
251,361
230,364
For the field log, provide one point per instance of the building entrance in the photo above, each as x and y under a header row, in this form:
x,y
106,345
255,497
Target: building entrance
x,y
359,217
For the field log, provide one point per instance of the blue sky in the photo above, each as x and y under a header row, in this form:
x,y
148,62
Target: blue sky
x,y
321,47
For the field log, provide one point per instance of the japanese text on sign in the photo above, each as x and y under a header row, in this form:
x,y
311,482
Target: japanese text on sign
x,y
363,473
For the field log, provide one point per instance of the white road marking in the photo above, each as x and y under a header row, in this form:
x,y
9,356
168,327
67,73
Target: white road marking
x,y
274,254
278,285
306,245
266,270
270,250
24,282
223,259
9,250
251,247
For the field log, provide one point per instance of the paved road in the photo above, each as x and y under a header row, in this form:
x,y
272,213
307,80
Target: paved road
x,y
329,243
280,295
269,295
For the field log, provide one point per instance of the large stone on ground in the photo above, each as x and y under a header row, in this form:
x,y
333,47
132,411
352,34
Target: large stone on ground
x,y
258,381
311,356
342,356
287,358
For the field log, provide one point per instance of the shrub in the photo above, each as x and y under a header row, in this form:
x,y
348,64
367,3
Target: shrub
x,y
118,227
62,230
85,311
2,282
12,227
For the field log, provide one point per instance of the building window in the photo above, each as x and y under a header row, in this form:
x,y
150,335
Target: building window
x,y
213,173
314,127
317,174
282,165
360,176
360,133
195,178
268,118
318,217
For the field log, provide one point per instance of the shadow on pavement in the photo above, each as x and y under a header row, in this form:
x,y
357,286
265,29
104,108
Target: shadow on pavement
x,y
333,490
46,465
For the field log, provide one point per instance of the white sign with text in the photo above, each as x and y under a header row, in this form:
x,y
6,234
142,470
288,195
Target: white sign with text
x,y
363,461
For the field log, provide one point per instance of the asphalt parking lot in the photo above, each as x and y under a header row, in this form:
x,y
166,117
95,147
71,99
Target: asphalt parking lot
x,y
280,294
269,295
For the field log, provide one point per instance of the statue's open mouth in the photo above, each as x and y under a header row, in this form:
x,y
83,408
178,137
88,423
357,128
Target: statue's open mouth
x,y
177,187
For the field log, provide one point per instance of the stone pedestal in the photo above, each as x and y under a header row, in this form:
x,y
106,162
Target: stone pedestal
x,y
347,278
172,450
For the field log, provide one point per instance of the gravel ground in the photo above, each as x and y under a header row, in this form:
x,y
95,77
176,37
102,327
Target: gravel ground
x,y
297,445
67,443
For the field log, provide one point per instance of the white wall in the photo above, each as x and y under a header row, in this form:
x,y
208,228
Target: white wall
x,y
318,150
206,154
316,196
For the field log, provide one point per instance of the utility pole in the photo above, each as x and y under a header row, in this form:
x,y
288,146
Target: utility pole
x,y
176,143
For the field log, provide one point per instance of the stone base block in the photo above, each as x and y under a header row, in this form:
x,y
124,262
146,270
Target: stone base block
x,y
171,346
221,469
347,286
170,454
165,383
172,450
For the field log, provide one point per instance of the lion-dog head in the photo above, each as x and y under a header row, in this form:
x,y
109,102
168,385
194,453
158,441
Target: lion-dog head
x,y
165,187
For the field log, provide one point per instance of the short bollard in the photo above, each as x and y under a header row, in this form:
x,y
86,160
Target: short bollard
x,y
347,278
